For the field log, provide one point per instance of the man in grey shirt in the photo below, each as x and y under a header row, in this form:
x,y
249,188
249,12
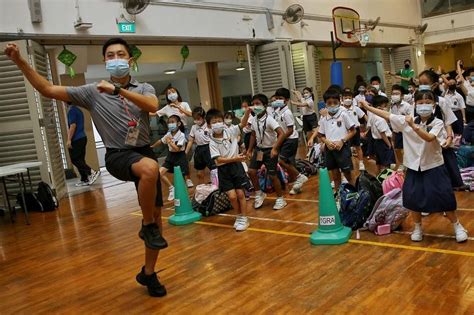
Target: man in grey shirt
x,y
120,109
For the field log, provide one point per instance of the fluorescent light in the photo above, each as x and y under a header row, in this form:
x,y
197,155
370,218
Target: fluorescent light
x,y
170,71
240,68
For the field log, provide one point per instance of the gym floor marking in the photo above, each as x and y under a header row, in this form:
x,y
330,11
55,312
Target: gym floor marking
x,y
351,241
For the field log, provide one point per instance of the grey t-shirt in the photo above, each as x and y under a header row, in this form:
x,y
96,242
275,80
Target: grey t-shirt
x,y
110,115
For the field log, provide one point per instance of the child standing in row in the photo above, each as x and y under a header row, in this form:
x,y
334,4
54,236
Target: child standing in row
x,y
427,186
399,107
306,105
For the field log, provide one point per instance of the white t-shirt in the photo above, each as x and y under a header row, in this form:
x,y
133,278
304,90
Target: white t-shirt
x,y
228,145
354,113
200,134
379,125
170,110
418,153
455,100
285,118
178,138
448,115
336,127
309,108
265,131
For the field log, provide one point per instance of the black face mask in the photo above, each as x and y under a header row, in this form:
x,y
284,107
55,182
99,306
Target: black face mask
x,y
407,66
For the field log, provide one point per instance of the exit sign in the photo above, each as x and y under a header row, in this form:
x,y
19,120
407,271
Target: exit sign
x,y
126,27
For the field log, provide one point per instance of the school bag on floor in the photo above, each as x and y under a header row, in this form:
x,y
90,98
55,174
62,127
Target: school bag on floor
x,y
203,191
354,206
31,201
306,168
388,210
384,174
465,156
265,181
315,156
392,182
46,197
217,202
370,184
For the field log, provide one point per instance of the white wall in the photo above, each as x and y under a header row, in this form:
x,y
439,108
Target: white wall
x,y
238,84
450,27
178,21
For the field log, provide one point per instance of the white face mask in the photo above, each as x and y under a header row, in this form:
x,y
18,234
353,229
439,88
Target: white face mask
x,y
396,98
228,122
376,86
173,96
347,102
218,128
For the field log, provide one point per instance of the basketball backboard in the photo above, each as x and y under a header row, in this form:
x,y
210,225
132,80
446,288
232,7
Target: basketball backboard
x,y
346,24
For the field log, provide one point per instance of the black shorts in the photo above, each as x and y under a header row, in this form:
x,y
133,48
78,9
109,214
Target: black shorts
x,y
177,159
383,154
339,159
288,151
232,176
119,164
398,140
355,140
269,162
310,122
202,158
247,139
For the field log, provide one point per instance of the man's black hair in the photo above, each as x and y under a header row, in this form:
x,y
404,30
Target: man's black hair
x,y
116,40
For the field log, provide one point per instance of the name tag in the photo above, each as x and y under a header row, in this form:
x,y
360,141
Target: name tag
x,y
132,136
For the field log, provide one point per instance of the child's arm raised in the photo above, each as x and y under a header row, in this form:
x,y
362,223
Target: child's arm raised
x,y
159,142
384,114
428,137
245,119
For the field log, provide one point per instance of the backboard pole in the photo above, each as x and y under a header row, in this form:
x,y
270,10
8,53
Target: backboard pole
x,y
335,45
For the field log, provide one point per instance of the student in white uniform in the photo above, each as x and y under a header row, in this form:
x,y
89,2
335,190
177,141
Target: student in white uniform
x,y
382,134
306,105
427,186
399,107
335,131
176,106
224,147
199,135
265,142
466,79
360,96
375,82
176,142
356,115
458,106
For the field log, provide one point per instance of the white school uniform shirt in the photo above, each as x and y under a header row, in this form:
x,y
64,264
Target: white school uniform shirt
x,y
448,115
200,134
379,125
170,110
265,131
418,153
309,108
455,100
228,145
285,118
382,93
358,98
178,138
354,113
470,93
336,127
403,108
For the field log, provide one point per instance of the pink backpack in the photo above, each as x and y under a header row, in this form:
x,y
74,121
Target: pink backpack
x,y
388,210
393,181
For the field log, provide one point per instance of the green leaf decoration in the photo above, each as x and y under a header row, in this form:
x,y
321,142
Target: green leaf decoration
x,y
67,57
136,53
184,54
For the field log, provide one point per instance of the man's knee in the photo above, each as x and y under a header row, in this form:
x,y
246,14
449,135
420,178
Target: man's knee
x,y
146,169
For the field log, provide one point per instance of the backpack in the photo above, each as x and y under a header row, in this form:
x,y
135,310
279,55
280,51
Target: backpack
x,y
46,197
203,191
370,184
388,210
265,181
32,203
393,181
384,174
217,202
465,156
306,167
354,206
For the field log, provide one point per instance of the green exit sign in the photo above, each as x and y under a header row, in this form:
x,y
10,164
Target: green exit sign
x,y
126,27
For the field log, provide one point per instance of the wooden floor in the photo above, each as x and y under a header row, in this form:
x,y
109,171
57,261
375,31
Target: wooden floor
x,y
83,259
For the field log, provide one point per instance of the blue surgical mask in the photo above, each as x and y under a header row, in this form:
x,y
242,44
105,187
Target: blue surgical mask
x,y
333,110
424,87
278,103
369,98
173,96
258,109
218,128
424,110
118,68
172,126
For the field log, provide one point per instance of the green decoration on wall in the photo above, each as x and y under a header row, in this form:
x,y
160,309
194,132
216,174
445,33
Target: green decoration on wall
x,y
184,54
67,58
136,53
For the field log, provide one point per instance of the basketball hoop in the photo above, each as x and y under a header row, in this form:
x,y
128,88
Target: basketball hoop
x,y
362,35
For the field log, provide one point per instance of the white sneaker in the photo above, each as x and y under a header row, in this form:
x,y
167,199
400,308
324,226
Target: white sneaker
x,y
241,223
81,184
237,218
296,189
259,198
280,203
189,183
301,179
171,194
460,232
417,234
93,176
361,166
425,214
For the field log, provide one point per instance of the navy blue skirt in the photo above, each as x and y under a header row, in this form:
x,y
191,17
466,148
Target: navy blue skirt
x,y
398,140
428,191
451,163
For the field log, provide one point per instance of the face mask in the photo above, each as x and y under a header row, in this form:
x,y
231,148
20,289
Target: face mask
x,y
347,102
307,96
199,122
278,103
228,122
173,96
424,110
258,109
407,98
395,98
118,68
172,126
369,98
361,90
424,87
218,128
376,86
407,66
333,110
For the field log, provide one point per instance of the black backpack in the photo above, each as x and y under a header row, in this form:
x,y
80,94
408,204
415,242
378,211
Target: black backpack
x,y
355,206
32,203
369,183
46,197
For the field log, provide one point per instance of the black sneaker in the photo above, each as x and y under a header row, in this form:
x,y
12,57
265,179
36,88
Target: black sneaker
x,y
151,234
155,288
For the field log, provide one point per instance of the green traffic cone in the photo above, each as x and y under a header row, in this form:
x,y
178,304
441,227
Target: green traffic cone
x,y
330,229
184,213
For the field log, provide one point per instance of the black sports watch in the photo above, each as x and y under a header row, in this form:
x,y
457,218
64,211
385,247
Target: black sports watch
x,y
117,89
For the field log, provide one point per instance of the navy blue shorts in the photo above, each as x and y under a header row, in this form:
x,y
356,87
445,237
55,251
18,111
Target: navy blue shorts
x,y
202,158
339,159
398,140
232,176
355,141
383,154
